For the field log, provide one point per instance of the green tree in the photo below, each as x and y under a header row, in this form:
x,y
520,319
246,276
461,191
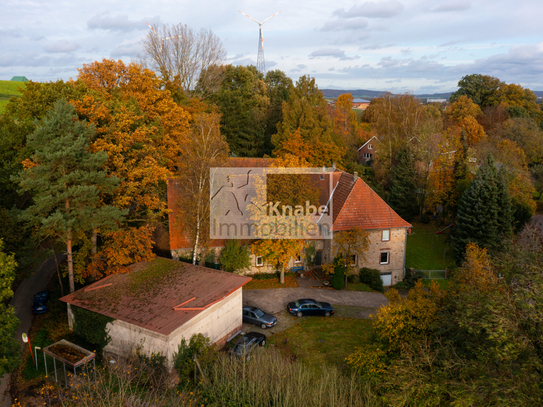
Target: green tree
x,y
235,256
67,181
403,191
480,219
278,86
243,102
9,347
479,88
306,110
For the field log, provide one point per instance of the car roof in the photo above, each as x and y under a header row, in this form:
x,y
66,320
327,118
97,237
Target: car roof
x,y
306,300
254,335
250,308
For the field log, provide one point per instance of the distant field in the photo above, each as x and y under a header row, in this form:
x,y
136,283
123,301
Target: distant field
x,y
7,90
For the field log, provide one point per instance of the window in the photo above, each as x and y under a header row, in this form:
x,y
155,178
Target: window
x,y
370,147
259,261
385,235
322,177
385,258
353,260
298,259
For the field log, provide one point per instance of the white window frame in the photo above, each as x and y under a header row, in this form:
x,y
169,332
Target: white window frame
x,y
259,263
383,235
370,147
388,257
355,262
298,259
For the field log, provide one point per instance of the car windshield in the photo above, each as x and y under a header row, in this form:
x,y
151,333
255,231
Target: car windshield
x,y
297,303
318,304
259,313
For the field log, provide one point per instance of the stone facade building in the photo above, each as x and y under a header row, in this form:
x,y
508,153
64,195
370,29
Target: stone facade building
x,y
353,205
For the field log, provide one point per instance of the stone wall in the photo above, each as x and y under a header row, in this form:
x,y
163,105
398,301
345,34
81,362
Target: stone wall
x,y
396,249
216,322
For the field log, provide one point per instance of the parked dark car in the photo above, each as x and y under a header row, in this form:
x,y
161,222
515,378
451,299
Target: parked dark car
x,y
39,304
308,306
247,343
253,315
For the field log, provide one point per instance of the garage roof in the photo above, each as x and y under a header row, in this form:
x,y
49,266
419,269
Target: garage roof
x,y
160,295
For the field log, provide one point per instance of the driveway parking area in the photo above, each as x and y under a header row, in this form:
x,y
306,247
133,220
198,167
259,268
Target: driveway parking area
x,y
276,300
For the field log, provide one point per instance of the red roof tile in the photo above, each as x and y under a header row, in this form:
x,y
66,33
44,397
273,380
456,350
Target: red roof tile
x,y
355,204
149,295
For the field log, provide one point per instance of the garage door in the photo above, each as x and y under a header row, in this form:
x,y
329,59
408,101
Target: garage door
x,y
387,279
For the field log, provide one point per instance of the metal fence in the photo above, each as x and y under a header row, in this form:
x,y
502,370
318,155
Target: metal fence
x,y
434,274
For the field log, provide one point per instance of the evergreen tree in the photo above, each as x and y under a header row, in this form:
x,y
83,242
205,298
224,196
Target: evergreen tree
x,y
403,190
9,346
505,207
243,102
484,212
67,181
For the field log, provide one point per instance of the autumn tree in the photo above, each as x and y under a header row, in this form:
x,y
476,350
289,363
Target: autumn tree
x,y
348,245
396,119
205,149
186,54
9,346
67,181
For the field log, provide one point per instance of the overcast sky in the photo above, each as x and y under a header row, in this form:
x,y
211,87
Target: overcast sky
x,y
397,45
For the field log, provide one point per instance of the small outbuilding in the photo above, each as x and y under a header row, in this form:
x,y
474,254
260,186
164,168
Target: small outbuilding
x,y
159,303
19,79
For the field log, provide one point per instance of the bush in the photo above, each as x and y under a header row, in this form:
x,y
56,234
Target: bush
x,y
411,279
372,278
338,278
91,327
183,360
354,278
425,218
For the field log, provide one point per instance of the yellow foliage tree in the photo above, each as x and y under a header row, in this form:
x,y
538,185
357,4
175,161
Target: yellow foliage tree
x,y
405,320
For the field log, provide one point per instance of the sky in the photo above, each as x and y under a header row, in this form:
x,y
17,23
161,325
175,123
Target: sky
x,y
395,45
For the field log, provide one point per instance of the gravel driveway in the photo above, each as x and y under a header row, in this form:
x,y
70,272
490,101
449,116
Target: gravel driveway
x,y
276,300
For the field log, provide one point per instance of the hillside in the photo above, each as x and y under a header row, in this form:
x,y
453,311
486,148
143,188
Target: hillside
x,y
370,94
7,90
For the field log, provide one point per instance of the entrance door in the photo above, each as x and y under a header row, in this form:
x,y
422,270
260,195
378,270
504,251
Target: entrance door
x,y
318,258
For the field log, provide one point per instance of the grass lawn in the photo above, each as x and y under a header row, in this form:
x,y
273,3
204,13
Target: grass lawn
x,y
318,341
358,287
428,251
256,284
7,90
442,283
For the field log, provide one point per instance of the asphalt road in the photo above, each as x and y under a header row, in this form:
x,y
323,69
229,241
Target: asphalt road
x,y
22,301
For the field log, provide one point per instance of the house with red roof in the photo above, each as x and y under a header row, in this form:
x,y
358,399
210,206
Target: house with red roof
x,y
159,303
353,204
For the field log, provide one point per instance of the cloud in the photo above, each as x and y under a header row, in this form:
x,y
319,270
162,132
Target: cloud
x,y
384,9
373,47
298,68
13,33
340,25
452,6
61,46
126,49
332,52
118,23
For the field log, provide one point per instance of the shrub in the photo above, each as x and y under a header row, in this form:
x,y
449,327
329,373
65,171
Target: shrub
x,y
354,278
338,278
235,256
425,218
411,279
372,278
91,327
183,360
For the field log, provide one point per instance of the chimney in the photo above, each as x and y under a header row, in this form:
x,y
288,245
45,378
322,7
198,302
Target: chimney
x,y
333,166
355,176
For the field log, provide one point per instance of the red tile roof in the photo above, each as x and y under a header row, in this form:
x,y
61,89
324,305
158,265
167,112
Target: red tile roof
x,y
160,295
355,204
